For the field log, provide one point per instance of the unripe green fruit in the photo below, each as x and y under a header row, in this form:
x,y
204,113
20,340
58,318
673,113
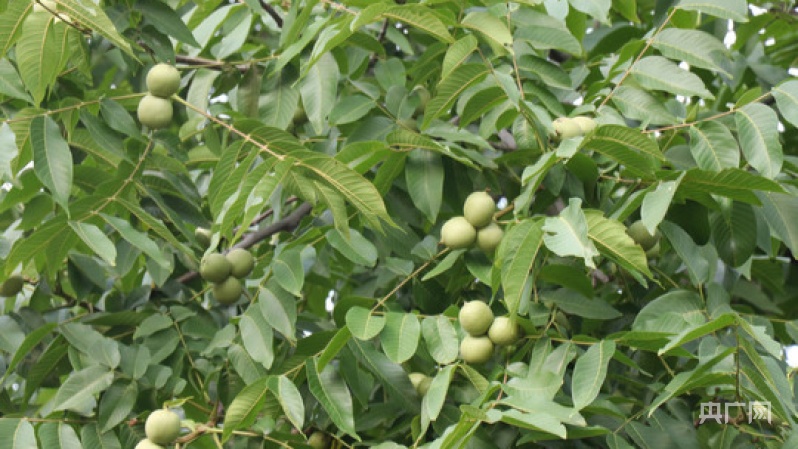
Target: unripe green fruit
x,y
155,112
639,233
163,80
458,233
147,444
566,128
319,440
421,382
241,262
503,331
653,251
228,291
203,236
478,209
215,267
162,426
489,237
476,349
586,124
12,285
475,317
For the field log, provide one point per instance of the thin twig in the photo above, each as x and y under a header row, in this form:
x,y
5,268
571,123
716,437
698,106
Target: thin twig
x,y
272,13
287,223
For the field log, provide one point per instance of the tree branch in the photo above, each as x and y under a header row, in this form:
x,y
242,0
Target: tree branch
x,y
287,223
272,12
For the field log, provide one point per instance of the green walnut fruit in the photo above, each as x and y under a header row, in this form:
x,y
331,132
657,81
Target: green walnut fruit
x,y
476,350
586,124
215,267
241,262
421,382
203,236
489,237
162,426
147,444
12,285
653,251
458,233
566,128
475,317
228,291
163,80
478,209
639,233
503,331
155,112
319,440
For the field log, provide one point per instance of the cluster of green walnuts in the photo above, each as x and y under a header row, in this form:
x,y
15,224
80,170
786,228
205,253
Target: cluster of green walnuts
x,y
225,271
476,225
155,109
483,332
161,428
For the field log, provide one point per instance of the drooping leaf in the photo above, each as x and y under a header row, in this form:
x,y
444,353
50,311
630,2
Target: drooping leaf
x,y
640,105
781,213
635,150
421,17
589,373
95,239
52,160
440,338
713,147
656,203
318,90
450,88
400,336
93,16
116,404
656,72
42,51
492,29
364,324
244,409
544,32
137,238
758,132
331,391
567,234
613,242
457,54
78,391
786,95
424,175
736,10
598,9
257,336
695,47
391,375
290,399
517,252
734,233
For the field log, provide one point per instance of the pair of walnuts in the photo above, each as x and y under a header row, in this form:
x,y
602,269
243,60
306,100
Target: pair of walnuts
x,y
155,109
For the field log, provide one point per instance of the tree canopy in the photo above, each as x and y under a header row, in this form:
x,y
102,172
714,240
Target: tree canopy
x,y
625,275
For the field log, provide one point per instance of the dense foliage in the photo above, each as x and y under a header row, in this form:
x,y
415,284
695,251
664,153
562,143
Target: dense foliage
x,y
333,140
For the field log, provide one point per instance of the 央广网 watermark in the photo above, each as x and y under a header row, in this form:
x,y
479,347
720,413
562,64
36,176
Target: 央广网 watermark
x,y
719,412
